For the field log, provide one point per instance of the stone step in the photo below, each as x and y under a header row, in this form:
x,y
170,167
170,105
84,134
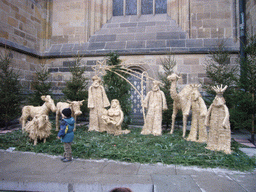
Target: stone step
x,y
145,28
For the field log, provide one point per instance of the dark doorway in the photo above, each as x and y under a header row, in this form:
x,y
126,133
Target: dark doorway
x,y
137,112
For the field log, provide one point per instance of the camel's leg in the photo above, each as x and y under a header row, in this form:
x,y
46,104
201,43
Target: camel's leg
x,y
185,117
174,113
57,120
44,140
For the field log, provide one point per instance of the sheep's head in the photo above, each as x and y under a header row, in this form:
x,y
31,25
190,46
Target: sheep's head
x,y
40,121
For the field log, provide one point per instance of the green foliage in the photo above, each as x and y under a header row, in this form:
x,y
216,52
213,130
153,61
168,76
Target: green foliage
x,y
220,71
134,147
10,90
168,63
116,87
40,86
245,95
77,87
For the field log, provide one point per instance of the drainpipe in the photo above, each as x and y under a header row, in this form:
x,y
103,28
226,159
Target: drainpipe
x,y
242,28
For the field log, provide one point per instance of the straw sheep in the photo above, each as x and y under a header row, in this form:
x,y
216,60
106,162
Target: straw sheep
x,y
39,128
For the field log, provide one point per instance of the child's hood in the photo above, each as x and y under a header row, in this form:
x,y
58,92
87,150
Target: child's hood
x,y
70,121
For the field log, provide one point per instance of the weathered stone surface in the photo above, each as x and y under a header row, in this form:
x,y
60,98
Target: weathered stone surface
x,y
115,45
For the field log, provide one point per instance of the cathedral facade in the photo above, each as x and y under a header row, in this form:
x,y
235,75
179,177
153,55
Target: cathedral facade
x,y
142,32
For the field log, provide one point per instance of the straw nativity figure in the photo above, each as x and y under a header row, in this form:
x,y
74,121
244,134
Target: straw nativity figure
x,y
114,118
198,130
217,119
39,128
155,102
97,102
181,101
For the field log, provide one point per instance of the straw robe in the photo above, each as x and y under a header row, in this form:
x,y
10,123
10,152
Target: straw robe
x,y
217,118
155,101
97,101
199,111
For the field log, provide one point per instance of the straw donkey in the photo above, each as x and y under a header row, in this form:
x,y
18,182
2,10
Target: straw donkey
x,y
75,109
181,101
31,111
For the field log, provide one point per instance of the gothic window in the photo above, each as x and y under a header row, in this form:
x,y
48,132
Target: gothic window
x,y
118,7
132,7
146,7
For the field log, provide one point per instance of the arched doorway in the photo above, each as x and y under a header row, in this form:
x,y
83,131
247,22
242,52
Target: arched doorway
x,y
137,111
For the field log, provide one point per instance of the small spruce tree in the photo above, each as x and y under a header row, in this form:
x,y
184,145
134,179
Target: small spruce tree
x,y
117,88
40,86
76,88
245,95
168,63
220,71
10,91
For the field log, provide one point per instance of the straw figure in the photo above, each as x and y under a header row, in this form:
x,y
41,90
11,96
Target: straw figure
x,y
155,102
75,109
31,111
39,128
97,101
217,119
198,130
113,119
181,101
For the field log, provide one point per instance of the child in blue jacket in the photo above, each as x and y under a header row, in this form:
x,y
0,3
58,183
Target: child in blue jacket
x,y
66,133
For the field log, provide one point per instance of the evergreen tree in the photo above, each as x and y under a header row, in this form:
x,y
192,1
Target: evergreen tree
x,y
168,63
10,91
220,71
245,95
116,87
40,86
76,88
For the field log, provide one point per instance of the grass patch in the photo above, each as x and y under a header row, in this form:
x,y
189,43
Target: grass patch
x,y
134,147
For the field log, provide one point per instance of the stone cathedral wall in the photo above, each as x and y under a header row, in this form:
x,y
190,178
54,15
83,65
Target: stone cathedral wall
x,y
53,32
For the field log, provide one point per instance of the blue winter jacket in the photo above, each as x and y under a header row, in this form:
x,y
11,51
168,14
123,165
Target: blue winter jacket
x,y
66,130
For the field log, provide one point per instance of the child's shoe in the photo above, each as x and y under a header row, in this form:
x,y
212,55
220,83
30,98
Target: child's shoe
x,y
66,160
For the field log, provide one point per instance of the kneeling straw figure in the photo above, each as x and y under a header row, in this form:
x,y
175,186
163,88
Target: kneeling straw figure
x,y
217,119
66,133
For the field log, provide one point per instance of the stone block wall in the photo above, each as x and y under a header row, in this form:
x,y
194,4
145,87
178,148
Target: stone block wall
x,y
23,22
75,21
25,65
190,67
251,17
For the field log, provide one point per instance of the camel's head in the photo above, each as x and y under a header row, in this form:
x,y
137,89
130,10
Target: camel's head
x,y
173,77
49,102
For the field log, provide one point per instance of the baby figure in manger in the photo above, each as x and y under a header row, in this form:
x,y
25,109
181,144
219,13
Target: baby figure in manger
x,y
113,118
